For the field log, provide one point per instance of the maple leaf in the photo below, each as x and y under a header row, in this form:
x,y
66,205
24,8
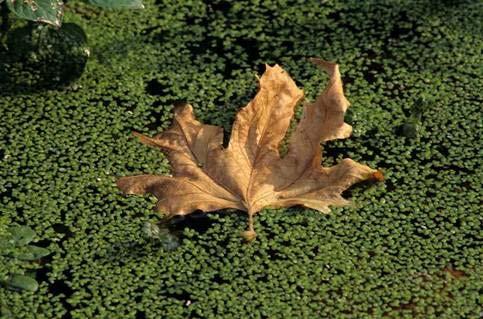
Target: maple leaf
x,y
250,174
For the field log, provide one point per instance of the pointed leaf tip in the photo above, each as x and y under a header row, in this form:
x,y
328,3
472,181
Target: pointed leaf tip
x,y
328,66
378,176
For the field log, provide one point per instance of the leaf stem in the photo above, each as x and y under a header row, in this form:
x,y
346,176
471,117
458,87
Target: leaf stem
x,y
250,223
249,235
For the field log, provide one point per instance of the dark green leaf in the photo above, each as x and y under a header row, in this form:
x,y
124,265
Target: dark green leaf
x,y
410,129
33,253
118,4
74,34
45,11
6,242
5,313
22,235
22,282
36,46
168,240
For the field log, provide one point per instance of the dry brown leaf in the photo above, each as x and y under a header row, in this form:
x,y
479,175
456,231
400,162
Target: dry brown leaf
x,y
249,174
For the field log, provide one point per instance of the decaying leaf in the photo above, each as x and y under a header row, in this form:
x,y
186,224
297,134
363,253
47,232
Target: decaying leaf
x,y
249,174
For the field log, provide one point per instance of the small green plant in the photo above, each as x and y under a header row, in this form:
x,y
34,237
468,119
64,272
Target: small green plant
x,y
52,11
411,126
33,48
17,258
46,52
159,231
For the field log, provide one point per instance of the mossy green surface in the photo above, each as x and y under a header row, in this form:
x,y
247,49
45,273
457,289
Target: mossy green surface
x,y
410,247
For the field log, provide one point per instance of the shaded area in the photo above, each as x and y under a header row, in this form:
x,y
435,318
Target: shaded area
x,y
37,57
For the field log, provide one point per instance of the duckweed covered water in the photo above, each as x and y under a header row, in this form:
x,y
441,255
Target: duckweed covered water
x,y
409,248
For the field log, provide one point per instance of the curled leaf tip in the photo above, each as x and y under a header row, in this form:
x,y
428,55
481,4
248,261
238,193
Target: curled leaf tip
x,y
378,176
325,65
